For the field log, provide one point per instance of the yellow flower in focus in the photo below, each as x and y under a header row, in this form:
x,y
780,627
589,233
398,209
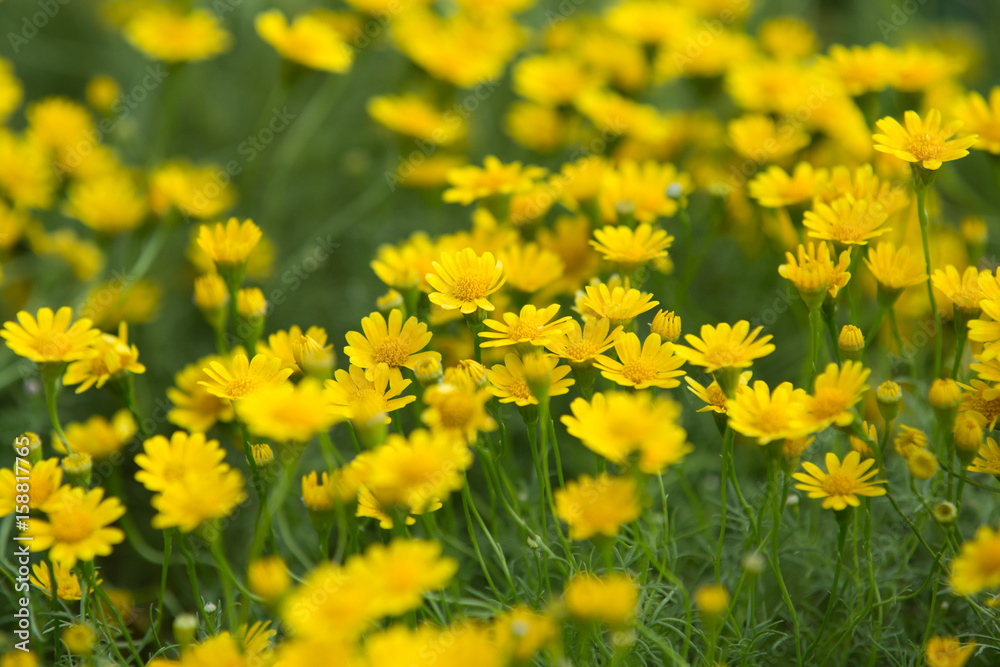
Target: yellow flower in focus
x,y
618,304
402,572
843,482
493,178
895,270
195,408
163,33
357,398
532,327
775,188
651,363
922,141
114,357
977,566
947,652
166,463
286,412
241,377
414,116
814,273
99,437
611,600
631,248
77,526
725,346
846,221
463,280
982,119
581,345
52,337
837,389
309,41
767,416
757,137
107,204
598,505
230,243
394,343
509,382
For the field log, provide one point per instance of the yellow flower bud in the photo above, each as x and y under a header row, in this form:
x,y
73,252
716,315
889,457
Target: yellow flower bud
x,y
969,432
889,396
667,325
428,371
712,599
945,394
210,292
77,468
79,639
268,577
250,303
851,342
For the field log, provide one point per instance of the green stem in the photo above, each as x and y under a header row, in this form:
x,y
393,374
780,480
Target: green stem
x,y
193,577
779,506
227,582
815,336
51,393
727,454
921,191
841,541
168,536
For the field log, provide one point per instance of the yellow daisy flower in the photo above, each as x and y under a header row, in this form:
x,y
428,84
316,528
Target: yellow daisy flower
x,y
765,415
580,345
981,398
287,412
67,581
814,273
308,40
611,600
598,505
108,204
640,189
44,481
52,337
631,248
163,33
982,119
463,280
961,289
617,424
241,377
775,188
77,526
393,343
843,482
529,268
725,346
402,572
99,437
836,391
164,462
210,493
619,304
354,396
977,566
231,243
922,141
532,327
459,408
195,408
947,652
846,221
414,116
114,357
651,363
509,382
493,178
987,459
895,270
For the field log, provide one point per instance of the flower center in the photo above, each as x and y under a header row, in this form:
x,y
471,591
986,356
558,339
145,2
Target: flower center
x,y
519,389
639,371
716,396
522,330
925,147
240,387
392,352
456,411
72,525
469,287
839,484
828,403
581,350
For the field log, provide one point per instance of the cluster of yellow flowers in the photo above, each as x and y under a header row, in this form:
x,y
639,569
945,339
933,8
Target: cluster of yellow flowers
x,y
378,503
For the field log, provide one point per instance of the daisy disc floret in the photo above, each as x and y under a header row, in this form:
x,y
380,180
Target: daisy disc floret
x,y
922,141
842,483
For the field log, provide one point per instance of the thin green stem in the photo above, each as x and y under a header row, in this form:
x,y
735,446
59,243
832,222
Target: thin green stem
x,y
921,191
727,454
841,541
779,506
168,536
